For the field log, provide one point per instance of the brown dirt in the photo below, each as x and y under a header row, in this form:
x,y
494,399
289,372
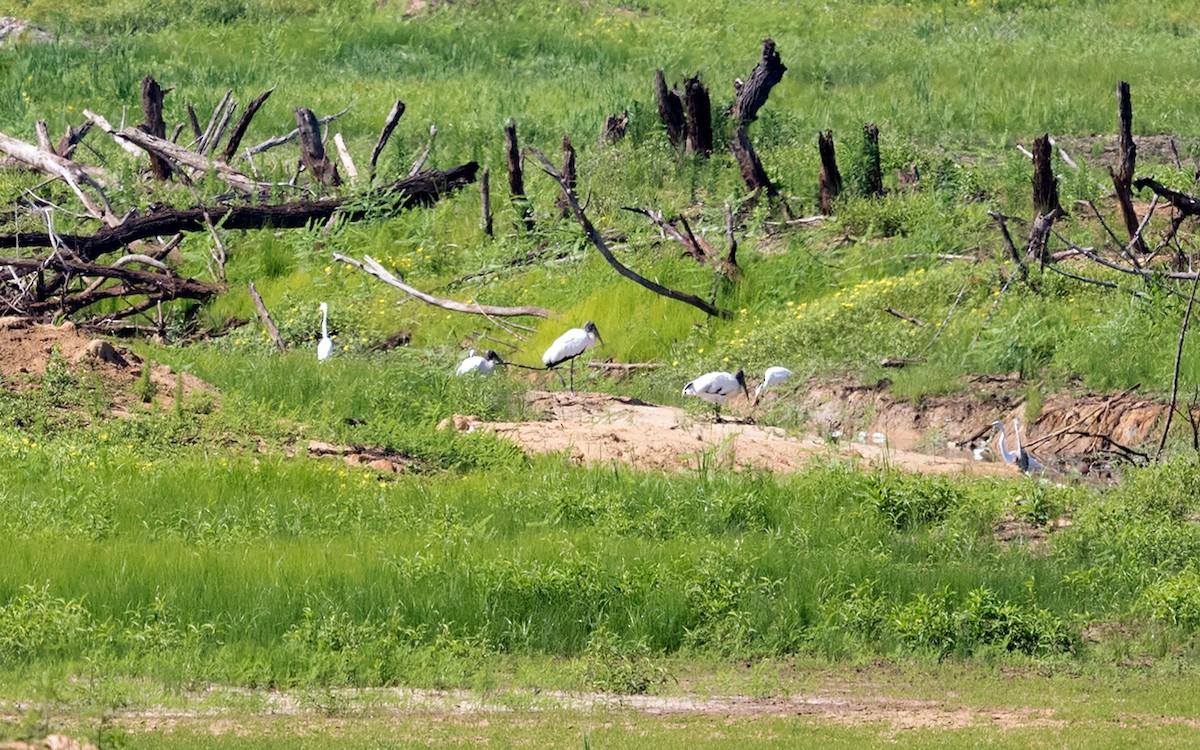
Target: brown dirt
x,y
27,347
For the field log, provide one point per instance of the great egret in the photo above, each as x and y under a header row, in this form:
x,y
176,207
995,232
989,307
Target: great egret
x,y
1025,461
325,345
771,378
484,364
715,387
569,346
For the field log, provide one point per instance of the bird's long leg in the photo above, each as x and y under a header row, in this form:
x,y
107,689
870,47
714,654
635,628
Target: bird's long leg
x,y
572,374
558,372
717,413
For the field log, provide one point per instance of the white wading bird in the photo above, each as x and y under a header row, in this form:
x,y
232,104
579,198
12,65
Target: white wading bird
x,y
1025,461
715,387
484,364
771,378
325,345
569,346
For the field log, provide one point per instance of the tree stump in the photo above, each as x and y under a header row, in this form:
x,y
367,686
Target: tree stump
x,y
1122,176
516,177
873,170
153,123
1045,184
312,151
829,181
614,129
670,111
699,116
752,94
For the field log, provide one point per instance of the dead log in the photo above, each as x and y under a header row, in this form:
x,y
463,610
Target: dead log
x,y
153,123
66,144
873,170
389,124
422,190
752,170
1122,176
64,169
614,129
1183,202
693,247
568,172
670,111
187,158
265,317
43,135
752,94
239,130
516,177
312,151
619,267
699,116
1045,184
829,181
279,140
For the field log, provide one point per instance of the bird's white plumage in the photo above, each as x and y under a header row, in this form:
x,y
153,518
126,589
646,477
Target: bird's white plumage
x,y
325,345
713,387
568,346
1024,460
771,378
484,364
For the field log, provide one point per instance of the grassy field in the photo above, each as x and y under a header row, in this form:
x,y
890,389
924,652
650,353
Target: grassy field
x,y
187,560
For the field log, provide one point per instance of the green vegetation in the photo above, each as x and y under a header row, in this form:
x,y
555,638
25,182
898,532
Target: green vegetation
x,y
151,555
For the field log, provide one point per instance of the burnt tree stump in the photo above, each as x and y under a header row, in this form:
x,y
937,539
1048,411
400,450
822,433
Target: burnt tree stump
x,y
1045,184
153,123
752,94
1122,176
516,177
568,173
751,167
312,151
873,170
670,111
699,116
614,129
829,181
485,201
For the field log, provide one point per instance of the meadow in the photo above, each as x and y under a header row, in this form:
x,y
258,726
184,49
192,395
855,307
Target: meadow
x,y
176,553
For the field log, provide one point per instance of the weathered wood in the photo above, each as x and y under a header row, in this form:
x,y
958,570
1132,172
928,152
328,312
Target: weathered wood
x,y
153,123
516,177
203,144
752,94
699,114
1045,184
192,160
389,124
312,150
344,156
485,201
568,173
693,247
751,167
239,130
1187,317
829,180
872,168
614,129
43,135
1122,176
64,169
1181,201
265,317
66,144
108,128
279,140
194,122
670,111
420,162
422,190
1039,235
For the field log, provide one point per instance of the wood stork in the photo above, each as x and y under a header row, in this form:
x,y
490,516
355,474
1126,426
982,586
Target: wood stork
x,y
1022,458
569,346
484,364
715,387
325,345
771,378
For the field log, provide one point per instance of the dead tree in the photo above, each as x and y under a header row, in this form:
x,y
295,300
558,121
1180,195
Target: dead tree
x,y
1122,176
829,180
568,173
312,151
699,116
153,123
873,170
670,111
1045,184
751,167
752,94
614,129
516,177
389,124
239,130
485,201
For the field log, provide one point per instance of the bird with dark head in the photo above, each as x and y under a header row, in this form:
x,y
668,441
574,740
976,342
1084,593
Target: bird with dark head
x,y
715,387
484,364
569,346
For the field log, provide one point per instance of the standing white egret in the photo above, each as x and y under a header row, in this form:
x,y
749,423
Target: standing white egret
x,y
715,387
1025,460
325,345
771,378
569,346
484,364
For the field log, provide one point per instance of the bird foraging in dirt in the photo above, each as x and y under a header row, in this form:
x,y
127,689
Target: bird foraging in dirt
x,y
325,345
484,364
1024,460
771,378
715,387
569,346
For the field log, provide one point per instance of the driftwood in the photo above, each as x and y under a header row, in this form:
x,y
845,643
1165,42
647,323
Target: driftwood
x,y
312,151
239,130
265,317
670,111
1122,176
344,157
153,124
699,115
829,181
516,177
752,94
620,268
371,266
389,124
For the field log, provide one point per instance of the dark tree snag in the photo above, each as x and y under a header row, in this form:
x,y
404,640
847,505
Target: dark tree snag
x,y
620,268
752,94
753,173
279,140
1045,184
873,174
485,201
670,111
153,123
1002,222
1185,203
422,190
265,317
389,125
829,181
516,177
568,173
312,151
66,144
197,134
239,130
1122,176
614,129
203,144
699,115
1039,235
